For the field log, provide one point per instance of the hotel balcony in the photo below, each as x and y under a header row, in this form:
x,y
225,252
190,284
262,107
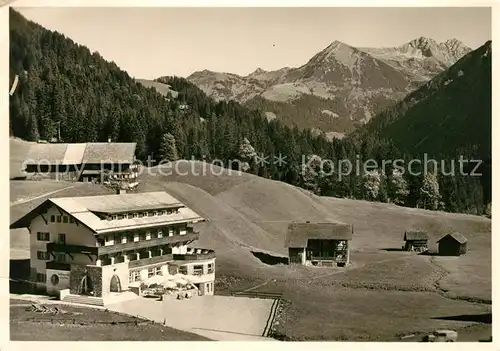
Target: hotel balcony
x,y
195,255
60,266
71,249
149,261
144,244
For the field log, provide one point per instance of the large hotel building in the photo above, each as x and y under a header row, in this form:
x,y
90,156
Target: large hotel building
x,y
99,245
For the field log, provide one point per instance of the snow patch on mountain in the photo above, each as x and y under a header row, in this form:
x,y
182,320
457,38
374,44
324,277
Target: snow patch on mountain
x,y
270,116
330,113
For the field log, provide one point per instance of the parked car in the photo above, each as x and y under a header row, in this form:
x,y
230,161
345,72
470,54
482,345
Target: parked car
x,y
441,336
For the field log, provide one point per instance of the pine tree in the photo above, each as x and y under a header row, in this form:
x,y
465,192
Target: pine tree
x,y
429,192
371,185
247,155
398,187
168,148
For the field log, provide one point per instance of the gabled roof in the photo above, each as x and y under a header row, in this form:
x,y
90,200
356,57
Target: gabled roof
x,y
109,152
47,153
456,236
299,233
78,153
84,209
415,235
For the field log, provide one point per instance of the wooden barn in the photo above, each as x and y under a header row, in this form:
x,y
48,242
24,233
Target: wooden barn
x,y
319,244
415,241
453,244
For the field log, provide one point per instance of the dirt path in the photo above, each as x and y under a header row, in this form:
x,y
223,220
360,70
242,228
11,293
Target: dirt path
x,y
257,286
22,201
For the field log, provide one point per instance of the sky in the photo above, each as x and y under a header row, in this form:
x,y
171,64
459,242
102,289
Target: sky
x,y
151,42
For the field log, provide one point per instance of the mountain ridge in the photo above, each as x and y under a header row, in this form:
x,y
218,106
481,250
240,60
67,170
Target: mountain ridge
x,y
359,82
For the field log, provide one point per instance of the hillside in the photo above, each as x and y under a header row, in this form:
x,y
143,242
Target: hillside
x,y
163,89
63,86
351,83
247,217
447,117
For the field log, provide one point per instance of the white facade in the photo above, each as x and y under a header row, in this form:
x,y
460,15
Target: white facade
x,y
116,258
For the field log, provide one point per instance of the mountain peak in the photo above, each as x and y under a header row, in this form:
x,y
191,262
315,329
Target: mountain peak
x,y
423,43
336,45
257,71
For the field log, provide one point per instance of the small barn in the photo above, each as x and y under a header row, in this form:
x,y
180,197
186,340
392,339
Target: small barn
x,y
319,244
452,244
415,240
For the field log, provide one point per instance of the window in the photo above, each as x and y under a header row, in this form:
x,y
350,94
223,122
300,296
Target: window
x,y
207,287
134,276
136,237
183,270
71,220
130,215
60,257
61,238
151,272
42,255
136,215
109,240
54,279
151,214
65,219
170,232
148,236
41,278
52,218
198,269
158,270
42,236
141,214
124,239
58,219
160,234
210,268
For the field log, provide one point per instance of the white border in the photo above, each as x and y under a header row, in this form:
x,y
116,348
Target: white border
x,y
5,344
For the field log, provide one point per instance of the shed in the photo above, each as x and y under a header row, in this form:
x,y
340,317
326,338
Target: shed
x,y
415,240
452,244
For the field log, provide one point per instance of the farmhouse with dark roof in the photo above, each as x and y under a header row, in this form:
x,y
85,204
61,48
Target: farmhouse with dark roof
x,y
83,162
319,244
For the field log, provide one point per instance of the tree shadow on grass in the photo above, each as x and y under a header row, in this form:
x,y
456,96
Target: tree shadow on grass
x,y
478,318
269,259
